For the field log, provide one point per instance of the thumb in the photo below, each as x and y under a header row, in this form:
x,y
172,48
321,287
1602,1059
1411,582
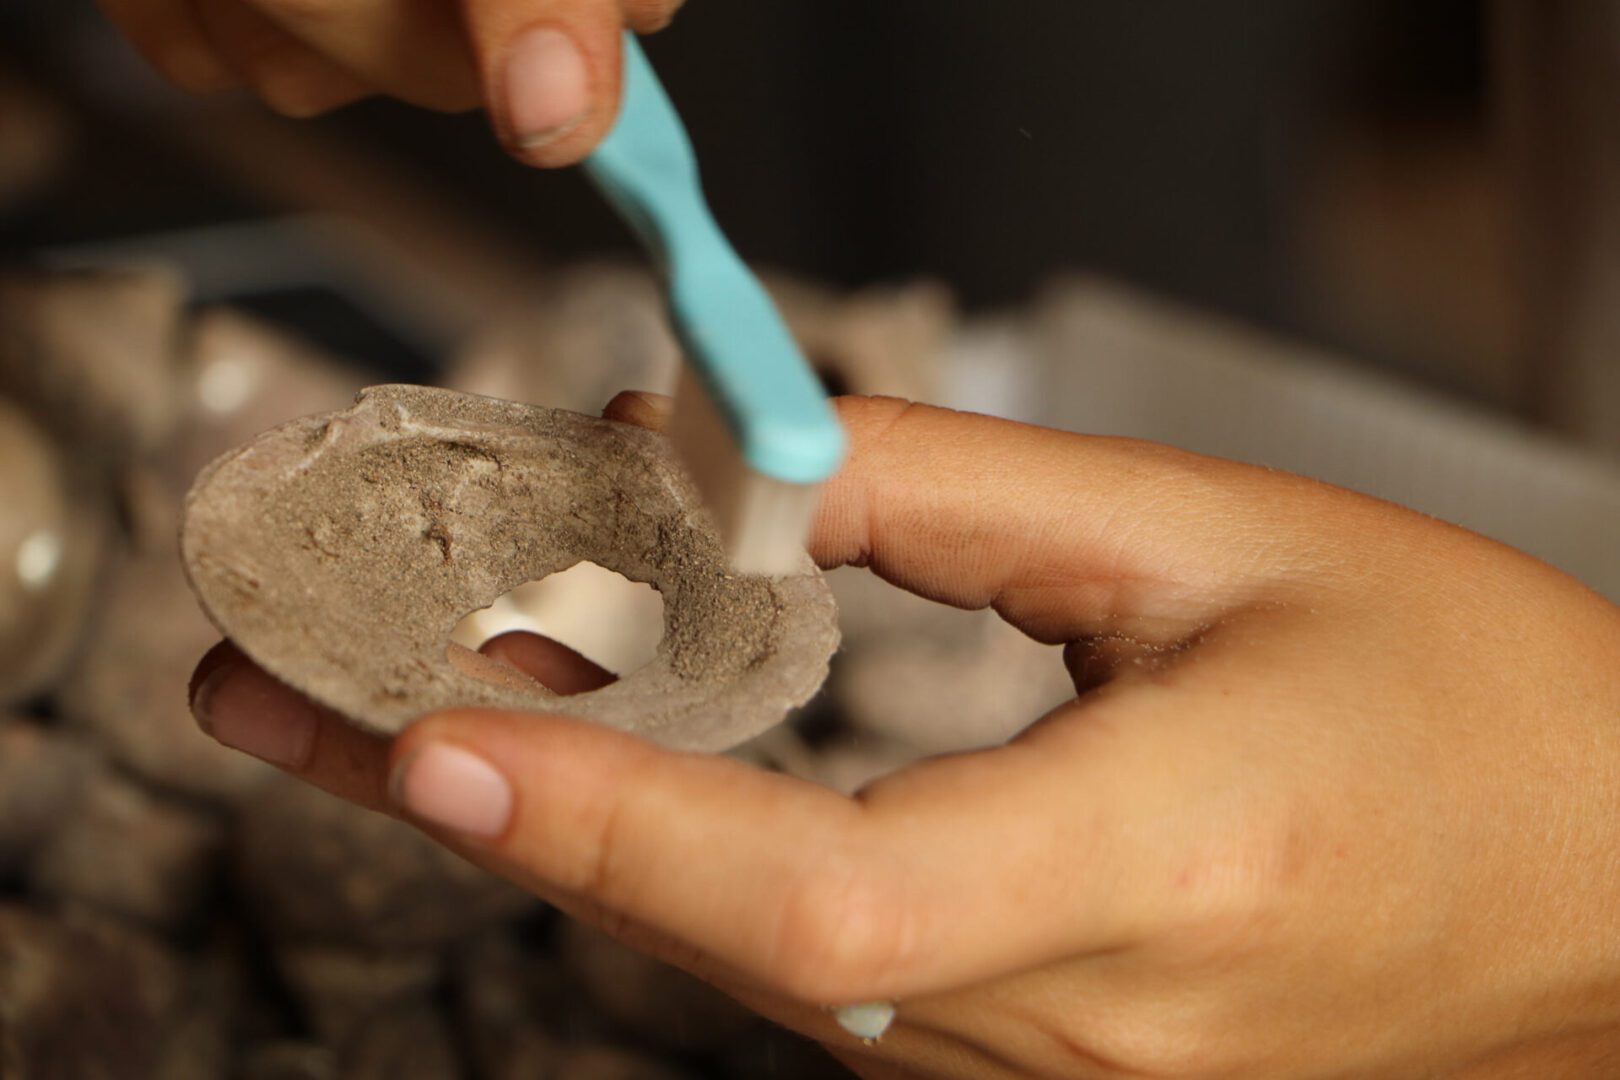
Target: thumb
x,y
551,73
944,874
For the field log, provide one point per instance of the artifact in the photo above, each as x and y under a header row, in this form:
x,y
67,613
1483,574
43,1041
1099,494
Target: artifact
x,y
339,551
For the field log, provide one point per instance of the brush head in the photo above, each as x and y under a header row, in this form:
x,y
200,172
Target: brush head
x,y
752,423
764,522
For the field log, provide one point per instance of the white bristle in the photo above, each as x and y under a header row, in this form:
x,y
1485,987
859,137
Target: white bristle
x,y
763,521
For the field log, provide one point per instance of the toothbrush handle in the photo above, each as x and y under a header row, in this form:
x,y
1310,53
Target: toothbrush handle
x,y
734,337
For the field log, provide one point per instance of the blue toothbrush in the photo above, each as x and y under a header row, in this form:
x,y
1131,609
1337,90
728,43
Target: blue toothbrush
x,y
751,422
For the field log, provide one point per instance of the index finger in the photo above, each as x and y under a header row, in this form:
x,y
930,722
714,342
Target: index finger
x,y
1067,536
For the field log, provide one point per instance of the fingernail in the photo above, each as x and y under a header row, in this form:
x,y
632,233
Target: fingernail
x,y
547,87
661,404
453,788
247,710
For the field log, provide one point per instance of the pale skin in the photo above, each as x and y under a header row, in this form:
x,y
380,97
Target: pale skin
x,y
1338,796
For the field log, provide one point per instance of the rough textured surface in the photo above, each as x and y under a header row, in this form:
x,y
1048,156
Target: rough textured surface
x,y
339,551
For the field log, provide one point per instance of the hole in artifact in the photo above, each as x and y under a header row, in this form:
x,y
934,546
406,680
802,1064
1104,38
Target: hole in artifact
x,y
610,620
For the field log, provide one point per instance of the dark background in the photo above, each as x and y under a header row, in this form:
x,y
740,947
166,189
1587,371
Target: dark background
x,y
1179,144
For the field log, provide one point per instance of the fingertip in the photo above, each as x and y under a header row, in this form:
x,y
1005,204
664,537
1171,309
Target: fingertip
x,y
213,667
452,787
555,89
245,708
641,408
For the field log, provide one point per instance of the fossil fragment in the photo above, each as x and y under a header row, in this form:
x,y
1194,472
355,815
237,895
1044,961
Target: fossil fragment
x,y
51,543
339,551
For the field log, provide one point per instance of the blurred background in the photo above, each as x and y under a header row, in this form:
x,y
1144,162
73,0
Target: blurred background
x,y
1371,241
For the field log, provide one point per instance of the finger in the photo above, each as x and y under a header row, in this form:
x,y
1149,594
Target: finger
x,y
552,663
550,70
248,710
641,408
286,74
820,897
170,36
648,16
415,50
243,707
1071,536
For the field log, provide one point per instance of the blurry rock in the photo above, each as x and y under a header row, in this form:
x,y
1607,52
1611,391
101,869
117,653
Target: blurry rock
x,y
42,774
35,137
611,1063
409,1043
774,1052
80,998
94,355
288,1060
323,870
244,376
343,989
526,1053
128,685
880,341
592,332
659,1003
870,609
597,330
973,681
201,1040
50,547
516,1006
130,853
934,677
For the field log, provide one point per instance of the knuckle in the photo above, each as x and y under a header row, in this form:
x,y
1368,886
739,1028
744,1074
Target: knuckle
x,y
602,874
840,932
